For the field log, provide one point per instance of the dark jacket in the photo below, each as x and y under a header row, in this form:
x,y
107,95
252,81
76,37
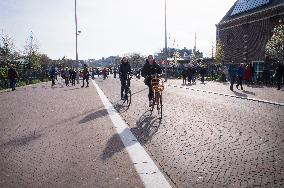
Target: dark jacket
x,y
12,73
73,74
85,72
52,71
149,70
240,72
124,70
202,71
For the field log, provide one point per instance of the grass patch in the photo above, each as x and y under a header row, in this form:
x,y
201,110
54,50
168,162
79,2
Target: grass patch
x,y
35,81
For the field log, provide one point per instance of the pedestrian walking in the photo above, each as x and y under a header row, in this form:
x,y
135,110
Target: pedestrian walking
x,y
85,76
52,74
231,75
13,76
114,73
247,72
202,72
73,77
70,74
189,73
184,75
240,75
104,71
93,73
279,74
98,72
66,76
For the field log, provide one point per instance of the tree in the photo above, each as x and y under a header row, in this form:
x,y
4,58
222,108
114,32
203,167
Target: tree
x,y
32,54
7,49
219,54
275,46
136,60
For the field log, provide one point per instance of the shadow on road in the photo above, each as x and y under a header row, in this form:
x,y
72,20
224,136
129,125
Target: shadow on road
x,y
239,94
95,115
146,127
248,92
72,89
21,141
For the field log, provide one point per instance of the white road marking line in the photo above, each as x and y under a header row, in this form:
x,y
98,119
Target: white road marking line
x,y
144,165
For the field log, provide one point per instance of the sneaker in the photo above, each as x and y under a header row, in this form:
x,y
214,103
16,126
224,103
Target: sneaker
x,y
150,103
87,86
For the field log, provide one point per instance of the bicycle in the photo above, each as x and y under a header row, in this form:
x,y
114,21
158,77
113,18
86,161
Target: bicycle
x,y
157,85
127,94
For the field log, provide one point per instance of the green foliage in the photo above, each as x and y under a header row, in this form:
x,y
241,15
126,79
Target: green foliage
x,y
219,54
21,83
35,81
45,80
275,45
3,73
136,60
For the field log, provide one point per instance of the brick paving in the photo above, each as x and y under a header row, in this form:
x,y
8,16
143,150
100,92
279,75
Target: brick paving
x,y
60,137
252,91
207,140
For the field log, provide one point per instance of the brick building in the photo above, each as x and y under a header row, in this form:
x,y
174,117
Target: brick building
x,y
246,28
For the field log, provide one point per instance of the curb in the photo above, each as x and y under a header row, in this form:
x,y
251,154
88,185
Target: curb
x,y
228,95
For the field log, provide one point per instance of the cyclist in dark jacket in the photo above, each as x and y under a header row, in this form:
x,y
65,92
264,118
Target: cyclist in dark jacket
x,y
149,69
124,71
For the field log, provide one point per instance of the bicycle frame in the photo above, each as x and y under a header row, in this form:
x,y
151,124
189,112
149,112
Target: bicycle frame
x,y
157,85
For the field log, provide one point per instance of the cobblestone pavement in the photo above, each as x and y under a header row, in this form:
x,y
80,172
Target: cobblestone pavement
x,y
207,140
60,137
251,91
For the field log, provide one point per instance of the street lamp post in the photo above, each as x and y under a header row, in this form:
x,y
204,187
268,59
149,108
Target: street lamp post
x,y
76,34
166,43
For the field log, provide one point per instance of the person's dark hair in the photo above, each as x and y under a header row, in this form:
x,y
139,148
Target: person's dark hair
x,y
154,61
122,60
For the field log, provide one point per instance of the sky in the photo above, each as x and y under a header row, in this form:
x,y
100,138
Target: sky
x,y
112,27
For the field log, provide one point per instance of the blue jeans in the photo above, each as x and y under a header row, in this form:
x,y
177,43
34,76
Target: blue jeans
x,y
13,83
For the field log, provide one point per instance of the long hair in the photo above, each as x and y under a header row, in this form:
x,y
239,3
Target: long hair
x,y
127,62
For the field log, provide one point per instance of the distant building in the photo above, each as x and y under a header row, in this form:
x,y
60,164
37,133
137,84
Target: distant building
x,y
246,28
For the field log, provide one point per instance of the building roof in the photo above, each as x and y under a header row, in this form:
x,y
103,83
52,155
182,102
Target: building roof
x,y
245,7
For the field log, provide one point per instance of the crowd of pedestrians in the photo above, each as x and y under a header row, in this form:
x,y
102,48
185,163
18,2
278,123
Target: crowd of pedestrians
x,y
70,75
236,75
189,74
245,74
